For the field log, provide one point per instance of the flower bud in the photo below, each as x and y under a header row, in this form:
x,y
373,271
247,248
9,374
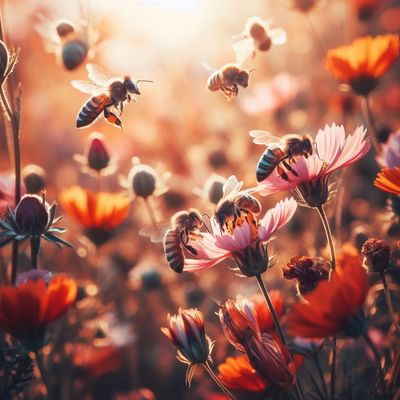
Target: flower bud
x,y
151,280
64,28
308,271
34,178
31,215
4,60
98,156
213,188
143,179
376,255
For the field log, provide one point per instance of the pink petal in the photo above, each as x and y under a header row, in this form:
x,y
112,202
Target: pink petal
x,y
276,217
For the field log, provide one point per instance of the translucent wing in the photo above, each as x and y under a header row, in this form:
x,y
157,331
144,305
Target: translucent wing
x,y
243,49
88,87
155,232
97,75
208,67
47,30
232,185
277,36
264,137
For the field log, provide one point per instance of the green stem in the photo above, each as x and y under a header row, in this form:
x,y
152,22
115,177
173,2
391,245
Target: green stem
x,y
278,326
389,303
333,369
217,381
328,234
371,124
319,371
378,361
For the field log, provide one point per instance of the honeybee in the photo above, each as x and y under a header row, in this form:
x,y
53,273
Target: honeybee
x,y
71,43
183,227
280,150
231,76
235,204
108,96
258,35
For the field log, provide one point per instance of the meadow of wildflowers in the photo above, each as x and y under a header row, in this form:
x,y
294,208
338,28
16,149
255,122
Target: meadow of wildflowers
x,y
200,199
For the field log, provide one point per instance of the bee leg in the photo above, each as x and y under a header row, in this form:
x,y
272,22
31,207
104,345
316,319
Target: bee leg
x,y
121,106
190,249
289,168
282,173
106,113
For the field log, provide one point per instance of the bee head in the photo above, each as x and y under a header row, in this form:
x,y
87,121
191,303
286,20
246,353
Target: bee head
x,y
242,78
131,86
308,144
195,216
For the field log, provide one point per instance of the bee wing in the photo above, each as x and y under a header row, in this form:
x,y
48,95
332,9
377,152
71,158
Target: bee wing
x,y
97,75
277,36
243,49
87,86
208,67
47,30
155,232
232,185
264,137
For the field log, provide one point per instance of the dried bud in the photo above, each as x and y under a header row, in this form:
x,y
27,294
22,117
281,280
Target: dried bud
x,y
32,215
257,30
309,271
4,60
98,156
213,188
34,178
143,179
376,255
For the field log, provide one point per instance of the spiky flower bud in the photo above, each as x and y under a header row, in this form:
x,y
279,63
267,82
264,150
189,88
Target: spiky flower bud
x,y
32,215
309,271
34,178
4,60
376,255
98,156
143,179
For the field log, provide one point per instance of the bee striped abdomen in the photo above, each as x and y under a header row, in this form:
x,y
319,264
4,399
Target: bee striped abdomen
x,y
173,250
267,163
91,110
214,81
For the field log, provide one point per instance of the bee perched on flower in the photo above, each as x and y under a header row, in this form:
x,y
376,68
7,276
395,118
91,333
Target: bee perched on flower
x,y
362,63
99,213
32,219
35,302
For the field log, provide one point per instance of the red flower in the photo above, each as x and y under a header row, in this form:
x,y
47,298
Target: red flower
x,y
335,305
264,316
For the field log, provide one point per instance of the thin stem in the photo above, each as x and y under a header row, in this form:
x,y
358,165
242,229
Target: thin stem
x,y
389,303
35,246
328,234
333,369
43,374
371,124
320,372
217,381
378,361
278,326
315,36
150,210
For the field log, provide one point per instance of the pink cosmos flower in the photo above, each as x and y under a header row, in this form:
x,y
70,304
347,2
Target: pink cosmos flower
x,y
390,155
333,151
247,244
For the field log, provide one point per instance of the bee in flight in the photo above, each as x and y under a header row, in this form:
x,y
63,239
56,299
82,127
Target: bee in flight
x,y
258,35
236,205
184,227
280,153
231,76
108,96
71,43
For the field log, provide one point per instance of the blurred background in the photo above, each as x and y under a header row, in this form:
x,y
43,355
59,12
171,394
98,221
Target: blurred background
x,y
111,344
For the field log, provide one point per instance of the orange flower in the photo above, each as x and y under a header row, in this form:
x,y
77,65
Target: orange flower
x,y
264,316
26,310
388,180
237,374
363,62
335,305
99,213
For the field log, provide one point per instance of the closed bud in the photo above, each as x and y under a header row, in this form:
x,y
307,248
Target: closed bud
x,y
98,156
4,59
308,271
34,178
32,215
143,179
376,255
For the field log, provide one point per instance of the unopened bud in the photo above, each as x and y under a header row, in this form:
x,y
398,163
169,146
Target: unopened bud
x,y
376,255
143,180
214,188
4,59
34,178
98,156
31,215
309,271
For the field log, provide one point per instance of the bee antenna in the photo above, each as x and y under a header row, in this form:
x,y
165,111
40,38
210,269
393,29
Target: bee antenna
x,y
144,80
252,70
205,215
